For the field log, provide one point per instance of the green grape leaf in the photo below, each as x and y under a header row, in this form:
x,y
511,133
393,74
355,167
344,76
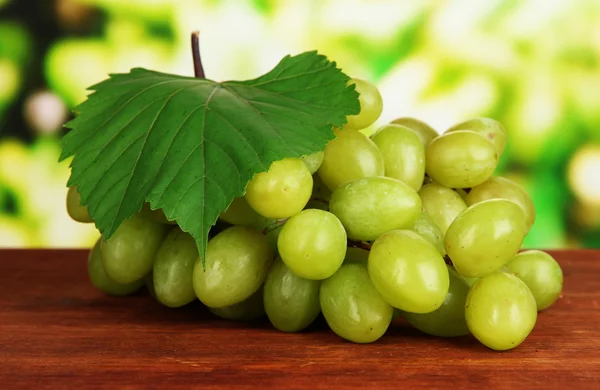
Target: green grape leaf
x,y
189,146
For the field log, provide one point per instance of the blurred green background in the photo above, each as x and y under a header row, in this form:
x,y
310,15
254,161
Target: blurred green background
x,y
533,65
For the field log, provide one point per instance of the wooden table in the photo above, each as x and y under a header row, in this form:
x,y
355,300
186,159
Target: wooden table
x,y
58,331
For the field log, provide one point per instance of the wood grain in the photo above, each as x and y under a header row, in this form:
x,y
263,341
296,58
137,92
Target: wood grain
x,y
56,331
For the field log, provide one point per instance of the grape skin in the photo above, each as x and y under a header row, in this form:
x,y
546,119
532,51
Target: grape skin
x,y
408,271
541,273
500,311
403,154
129,254
313,244
352,307
282,191
460,159
102,281
173,269
371,104
441,204
351,156
75,209
425,132
491,129
291,302
370,207
237,262
485,237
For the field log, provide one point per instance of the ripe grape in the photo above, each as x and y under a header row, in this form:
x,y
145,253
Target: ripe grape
x,y
313,244
173,268
291,302
352,155
282,191
449,319
102,281
409,273
426,228
372,206
129,254
371,104
237,262
403,154
485,237
75,209
357,256
157,215
240,213
502,188
492,130
425,132
500,311
460,159
441,204
313,161
249,309
541,273
352,307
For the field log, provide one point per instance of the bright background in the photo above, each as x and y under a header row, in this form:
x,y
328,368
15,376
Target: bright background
x,y
533,65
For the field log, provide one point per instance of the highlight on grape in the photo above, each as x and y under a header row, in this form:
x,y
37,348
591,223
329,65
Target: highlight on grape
x,y
405,222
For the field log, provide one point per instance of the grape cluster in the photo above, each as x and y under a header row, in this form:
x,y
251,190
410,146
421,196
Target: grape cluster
x,y
403,223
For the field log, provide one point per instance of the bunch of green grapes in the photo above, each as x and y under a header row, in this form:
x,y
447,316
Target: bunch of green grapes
x,y
405,222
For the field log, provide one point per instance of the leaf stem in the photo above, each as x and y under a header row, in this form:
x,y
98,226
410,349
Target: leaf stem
x,y
198,69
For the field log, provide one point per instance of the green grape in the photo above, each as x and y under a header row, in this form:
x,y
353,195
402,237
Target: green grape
x,y
470,281
240,213
403,154
541,273
157,215
371,104
237,262
281,192
463,193
173,268
372,206
460,159
500,311
249,309
291,302
313,161
352,307
75,209
449,319
272,235
356,256
425,132
502,188
129,254
320,191
492,130
408,272
149,282
485,237
313,244
441,204
351,156
426,228
102,281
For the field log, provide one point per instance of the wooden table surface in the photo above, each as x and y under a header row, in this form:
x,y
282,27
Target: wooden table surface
x,y
56,330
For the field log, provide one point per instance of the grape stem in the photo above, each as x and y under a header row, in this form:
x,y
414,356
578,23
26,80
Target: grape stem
x,y
269,228
359,244
448,260
198,69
